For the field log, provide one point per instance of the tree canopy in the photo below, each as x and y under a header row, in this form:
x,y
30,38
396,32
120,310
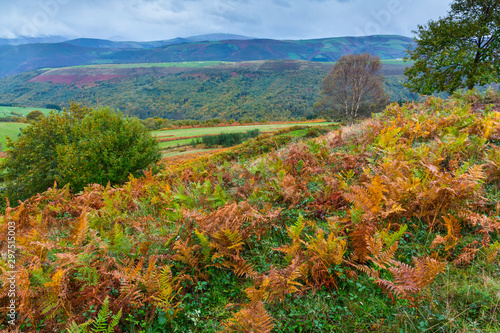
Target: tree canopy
x,y
34,115
77,147
353,87
460,50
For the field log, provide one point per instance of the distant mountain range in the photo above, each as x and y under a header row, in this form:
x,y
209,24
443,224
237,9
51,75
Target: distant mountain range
x,y
20,55
108,44
95,42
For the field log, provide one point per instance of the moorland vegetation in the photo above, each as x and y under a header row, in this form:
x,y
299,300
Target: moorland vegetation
x,y
389,225
283,233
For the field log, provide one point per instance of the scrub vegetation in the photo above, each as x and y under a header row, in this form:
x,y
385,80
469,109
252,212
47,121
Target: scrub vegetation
x,y
389,225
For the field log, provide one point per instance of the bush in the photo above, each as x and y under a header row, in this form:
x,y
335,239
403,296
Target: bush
x,y
228,139
34,115
77,147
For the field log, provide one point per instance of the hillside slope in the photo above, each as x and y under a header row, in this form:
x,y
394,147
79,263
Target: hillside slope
x,y
272,89
390,225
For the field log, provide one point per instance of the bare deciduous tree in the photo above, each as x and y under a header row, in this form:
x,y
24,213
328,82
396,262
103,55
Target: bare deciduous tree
x,y
353,87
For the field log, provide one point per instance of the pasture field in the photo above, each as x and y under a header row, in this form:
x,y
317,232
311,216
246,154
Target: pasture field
x,y
11,130
7,111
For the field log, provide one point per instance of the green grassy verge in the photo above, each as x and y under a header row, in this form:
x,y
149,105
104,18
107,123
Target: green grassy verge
x,y
177,153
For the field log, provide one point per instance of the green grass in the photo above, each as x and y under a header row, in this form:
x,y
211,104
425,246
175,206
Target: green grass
x,y
230,129
171,144
11,130
7,111
190,64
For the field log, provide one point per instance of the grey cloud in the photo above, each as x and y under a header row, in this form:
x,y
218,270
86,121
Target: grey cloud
x,y
162,19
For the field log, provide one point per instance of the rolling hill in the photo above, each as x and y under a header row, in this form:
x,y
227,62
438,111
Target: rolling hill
x,y
265,89
15,59
108,44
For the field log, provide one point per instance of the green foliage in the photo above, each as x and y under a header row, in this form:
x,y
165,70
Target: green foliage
x,y
78,147
34,115
457,51
104,322
227,139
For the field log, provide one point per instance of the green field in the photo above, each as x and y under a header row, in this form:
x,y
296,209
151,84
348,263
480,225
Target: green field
x,y
170,144
11,130
189,64
8,111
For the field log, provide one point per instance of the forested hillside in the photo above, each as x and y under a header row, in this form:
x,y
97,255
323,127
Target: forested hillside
x,y
262,90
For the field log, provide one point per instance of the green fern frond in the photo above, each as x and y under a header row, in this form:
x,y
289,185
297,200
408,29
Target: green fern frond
x,y
114,321
75,328
295,230
101,321
205,245
391,239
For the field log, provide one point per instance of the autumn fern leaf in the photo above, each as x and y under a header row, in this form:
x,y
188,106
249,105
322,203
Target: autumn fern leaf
x,y
253,317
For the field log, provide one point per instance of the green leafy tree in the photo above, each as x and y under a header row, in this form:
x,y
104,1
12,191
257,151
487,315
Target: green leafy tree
x,y
353,87
34,115
77,147
457,51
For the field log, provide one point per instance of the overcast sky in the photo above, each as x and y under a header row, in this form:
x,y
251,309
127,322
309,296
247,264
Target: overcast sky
x,y
146,20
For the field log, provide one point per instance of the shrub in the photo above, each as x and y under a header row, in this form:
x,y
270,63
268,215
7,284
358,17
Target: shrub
x,y
77,147
228,139
34,115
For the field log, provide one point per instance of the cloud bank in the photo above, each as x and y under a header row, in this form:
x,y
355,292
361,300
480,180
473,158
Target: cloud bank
x,y
164,19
